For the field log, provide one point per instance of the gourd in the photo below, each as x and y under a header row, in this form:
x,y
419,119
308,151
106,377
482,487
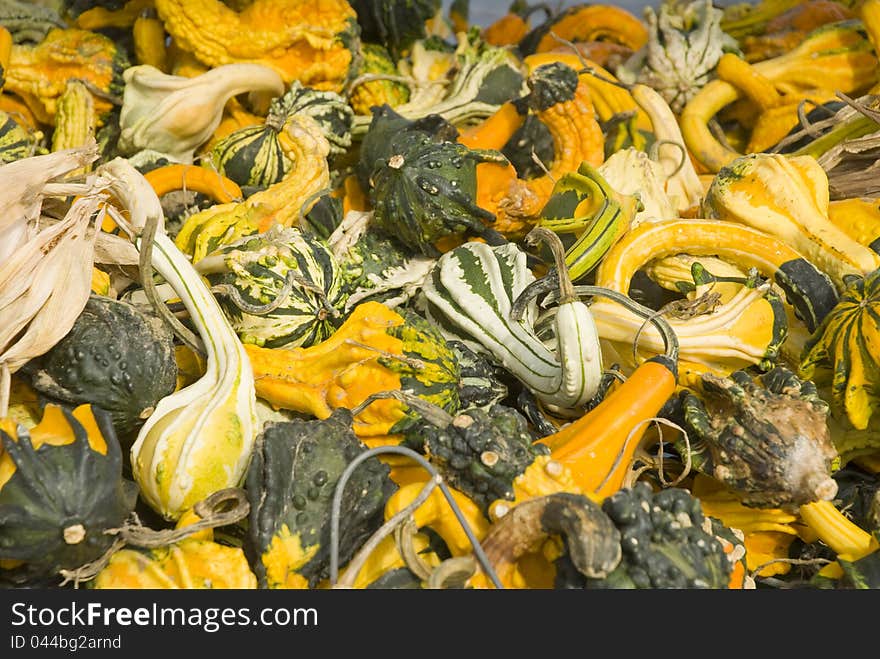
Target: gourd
x,y
291,482
374,350
836,56
766,439
39,73
681,50
279,289
195,562
395,23
199,439
175,176
585,206
470,294
370,92
587,22
841,353
482,77
16,142
107,13
115,357
422,188
257,156
148,35
27,22
577,138
174,115
74,118
738,333
281,203
61,490
858,218
787,197
300,39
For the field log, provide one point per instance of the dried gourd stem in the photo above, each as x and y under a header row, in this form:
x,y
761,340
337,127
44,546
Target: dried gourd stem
x,y
335,514
290,279
213,511
617,375
718,133
308,202
456,570
809,128
540,163
403,538
654,154
681,309
97,91
182,332
629,438
687,458
433,414
586,68
5,389
552,241
861,108
394,522
790,561
412,362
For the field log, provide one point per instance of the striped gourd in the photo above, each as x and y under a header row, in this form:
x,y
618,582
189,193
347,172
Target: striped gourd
x,y
15,140
257,156
843,352
470,294
74,117
282,288
366,92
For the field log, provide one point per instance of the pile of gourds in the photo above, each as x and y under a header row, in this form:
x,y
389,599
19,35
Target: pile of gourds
x,y
350,294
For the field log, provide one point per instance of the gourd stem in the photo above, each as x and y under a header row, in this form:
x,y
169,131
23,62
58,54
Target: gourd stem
x,y
146,267
375,77
566,288
403,538
479,553
545,286
429,411
586,66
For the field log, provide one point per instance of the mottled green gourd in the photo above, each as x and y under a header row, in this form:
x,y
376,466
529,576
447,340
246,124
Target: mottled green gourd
x,y
290,483
480,452
281,288
61,490
257,156
376,60
423,187
115,357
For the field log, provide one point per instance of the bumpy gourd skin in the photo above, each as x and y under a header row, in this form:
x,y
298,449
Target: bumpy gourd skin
x,y
481,452
39,73
302,39
291,481
115,357
664,541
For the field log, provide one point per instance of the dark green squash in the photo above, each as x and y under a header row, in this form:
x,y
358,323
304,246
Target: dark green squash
x,y
61,489
480,452
395,23
424,189
115,357
290,483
